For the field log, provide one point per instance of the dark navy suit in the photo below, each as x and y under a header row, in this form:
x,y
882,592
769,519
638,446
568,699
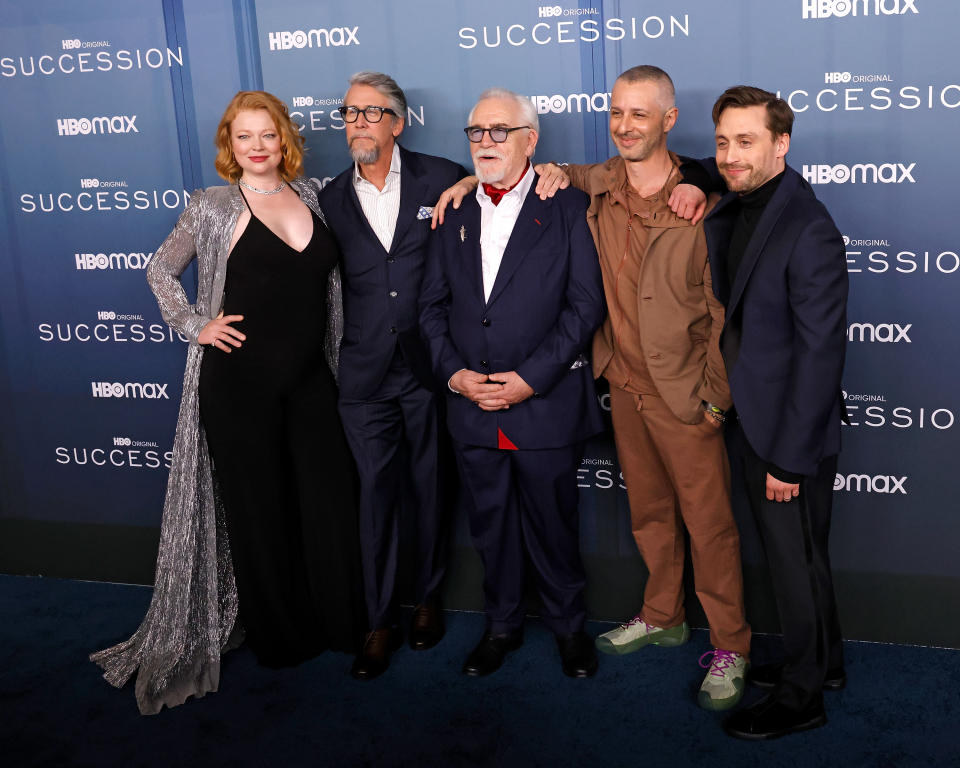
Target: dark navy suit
x,y
390,413
545,304
783,344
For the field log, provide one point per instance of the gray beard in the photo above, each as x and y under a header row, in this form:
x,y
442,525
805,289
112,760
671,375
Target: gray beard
x,y
365,156
487,178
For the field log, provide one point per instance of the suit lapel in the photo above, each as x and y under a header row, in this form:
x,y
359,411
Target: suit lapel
x,y
412,193
353,208
533,220
718,228
771,214
467,233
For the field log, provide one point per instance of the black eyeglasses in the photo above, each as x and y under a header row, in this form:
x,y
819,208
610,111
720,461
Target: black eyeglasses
x,y
370,114
498,134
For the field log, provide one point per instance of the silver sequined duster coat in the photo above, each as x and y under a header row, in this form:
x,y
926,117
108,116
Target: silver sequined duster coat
x,y
190,622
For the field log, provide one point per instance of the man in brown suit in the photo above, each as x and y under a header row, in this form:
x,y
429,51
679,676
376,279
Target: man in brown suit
x,y
659,350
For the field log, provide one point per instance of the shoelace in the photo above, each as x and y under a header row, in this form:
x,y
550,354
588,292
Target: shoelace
x,y
637,621
721,660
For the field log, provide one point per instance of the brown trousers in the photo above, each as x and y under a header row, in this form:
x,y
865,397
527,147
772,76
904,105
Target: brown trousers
x,y
677,475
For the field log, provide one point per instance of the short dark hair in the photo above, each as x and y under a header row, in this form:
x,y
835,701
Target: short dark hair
x,y
779,114
649,73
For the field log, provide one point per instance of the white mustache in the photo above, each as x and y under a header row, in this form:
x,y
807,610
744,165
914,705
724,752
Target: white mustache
x,y
488,153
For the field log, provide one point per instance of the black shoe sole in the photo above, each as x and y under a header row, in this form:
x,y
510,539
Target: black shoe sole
x,y
581,674
816,722
832,685
366,675
425,645
835,685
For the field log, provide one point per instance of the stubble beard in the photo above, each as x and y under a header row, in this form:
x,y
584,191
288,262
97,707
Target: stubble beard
x,y
746,183
641,151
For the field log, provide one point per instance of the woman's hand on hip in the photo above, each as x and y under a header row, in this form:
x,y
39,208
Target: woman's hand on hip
x,y
220,334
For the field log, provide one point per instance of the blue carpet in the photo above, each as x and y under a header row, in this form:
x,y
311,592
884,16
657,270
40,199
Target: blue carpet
x,y
902,706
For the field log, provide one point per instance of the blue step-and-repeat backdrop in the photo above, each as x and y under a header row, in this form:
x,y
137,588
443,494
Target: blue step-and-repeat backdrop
x,y
109,110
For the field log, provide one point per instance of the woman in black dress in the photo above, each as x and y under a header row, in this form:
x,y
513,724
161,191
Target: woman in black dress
x,y
259,528
268,403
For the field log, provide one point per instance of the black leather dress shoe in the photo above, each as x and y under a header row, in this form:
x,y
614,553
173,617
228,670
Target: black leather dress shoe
x,y
426,626
578,654
490,653
768,676
769,719
374,657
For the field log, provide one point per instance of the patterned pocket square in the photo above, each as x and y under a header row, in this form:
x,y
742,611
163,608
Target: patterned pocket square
x,y
425,212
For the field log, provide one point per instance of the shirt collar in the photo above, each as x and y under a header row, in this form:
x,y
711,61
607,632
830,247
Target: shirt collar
x,y
394,166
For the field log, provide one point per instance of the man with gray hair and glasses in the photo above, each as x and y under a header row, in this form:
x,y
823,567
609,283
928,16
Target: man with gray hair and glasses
x,y
379,210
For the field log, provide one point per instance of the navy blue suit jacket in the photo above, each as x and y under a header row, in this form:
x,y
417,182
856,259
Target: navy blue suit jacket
x,y
546,302
784,338
380,287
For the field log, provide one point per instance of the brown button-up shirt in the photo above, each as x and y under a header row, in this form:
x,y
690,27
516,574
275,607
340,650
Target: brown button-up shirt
x,y
626,215
662,333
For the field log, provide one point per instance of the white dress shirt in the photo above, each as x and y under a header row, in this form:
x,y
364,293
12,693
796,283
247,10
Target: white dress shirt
x,y
381,207
496,225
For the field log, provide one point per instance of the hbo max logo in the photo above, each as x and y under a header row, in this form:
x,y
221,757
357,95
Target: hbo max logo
x,y
85,126
861,173
313,38
871,483
825,9
131,389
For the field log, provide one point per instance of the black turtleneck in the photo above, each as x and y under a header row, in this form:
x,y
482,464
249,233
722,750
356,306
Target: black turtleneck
x,y
752,205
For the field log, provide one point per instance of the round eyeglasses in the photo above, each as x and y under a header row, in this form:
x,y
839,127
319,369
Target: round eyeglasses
x,y
498,134
370,114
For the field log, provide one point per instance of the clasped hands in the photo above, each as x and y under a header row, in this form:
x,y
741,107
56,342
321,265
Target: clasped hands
x,y
493,392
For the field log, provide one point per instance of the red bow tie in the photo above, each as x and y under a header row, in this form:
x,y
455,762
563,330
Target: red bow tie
x,y
495,194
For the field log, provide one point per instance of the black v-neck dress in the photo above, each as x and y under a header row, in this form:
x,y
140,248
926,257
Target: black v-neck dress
x,y
287,479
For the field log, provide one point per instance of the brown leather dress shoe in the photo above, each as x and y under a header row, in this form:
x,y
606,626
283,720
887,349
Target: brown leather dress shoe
x,y
374,657
426,627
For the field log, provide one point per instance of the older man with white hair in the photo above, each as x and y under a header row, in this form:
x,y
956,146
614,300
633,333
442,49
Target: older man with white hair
x,y
509,303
